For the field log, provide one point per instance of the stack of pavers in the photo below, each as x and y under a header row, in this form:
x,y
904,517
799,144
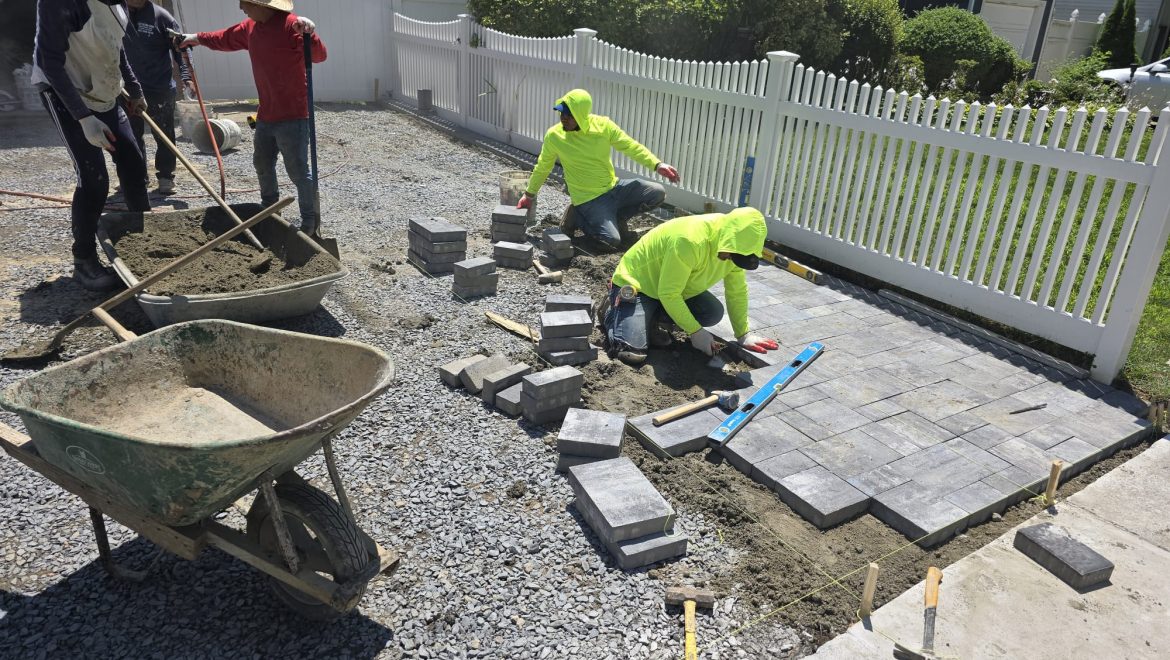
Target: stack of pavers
x,y
633,520
587,436
475,277
558,246
508,224
564,330
436,245
495,379
513,255
546,396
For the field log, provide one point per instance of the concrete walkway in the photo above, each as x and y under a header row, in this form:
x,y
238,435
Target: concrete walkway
x,y
997,603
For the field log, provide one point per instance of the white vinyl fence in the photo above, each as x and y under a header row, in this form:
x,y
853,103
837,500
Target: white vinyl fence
x,y
1074,37
1048,220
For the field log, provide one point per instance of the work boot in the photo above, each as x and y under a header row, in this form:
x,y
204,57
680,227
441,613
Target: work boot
x,y
660,336
569,221
632,357
166,185
93,276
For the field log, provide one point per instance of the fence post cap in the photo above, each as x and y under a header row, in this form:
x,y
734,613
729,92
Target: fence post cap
x,y
782,56
587,33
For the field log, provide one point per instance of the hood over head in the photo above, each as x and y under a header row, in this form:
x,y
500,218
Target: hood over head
x,y
580,104
742,231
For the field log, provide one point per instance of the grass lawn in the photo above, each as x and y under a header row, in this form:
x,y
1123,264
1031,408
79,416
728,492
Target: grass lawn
x,y
1147,370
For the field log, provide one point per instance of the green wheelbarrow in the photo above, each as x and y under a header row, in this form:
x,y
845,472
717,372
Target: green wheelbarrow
x,y
163,431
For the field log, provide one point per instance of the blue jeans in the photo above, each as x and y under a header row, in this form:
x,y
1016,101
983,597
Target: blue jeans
x,y
629,322
289,139
604,217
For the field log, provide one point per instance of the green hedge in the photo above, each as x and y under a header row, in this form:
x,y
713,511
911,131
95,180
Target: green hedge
x,y
871,30
960,52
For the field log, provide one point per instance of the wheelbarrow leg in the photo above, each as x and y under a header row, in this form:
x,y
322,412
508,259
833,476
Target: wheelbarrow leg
x,y
103,544
283,537
335,477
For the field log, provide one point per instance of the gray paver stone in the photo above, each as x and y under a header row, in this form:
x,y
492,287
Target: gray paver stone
x,y
940,400
467,292
823,419
534,405
877,480
646,550
1002,414
514,264
476,281
592,433
552,382
451,258
675,438
850,453
568,303
1016,483
1075,563
421,244
475,267
566,461
1077,455
821,497
449,372
555,344
1047,436
618,501
979,500
437,230
987,436
473,374
575,323
770,471
961,423
918,514
502,379
761,439
571,357
508,401
429,267
551,415
509,214
512,250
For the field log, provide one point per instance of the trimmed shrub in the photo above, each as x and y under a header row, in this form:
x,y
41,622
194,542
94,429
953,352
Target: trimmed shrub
x,y
870,33
1118,34
808,28
1074,83
944,37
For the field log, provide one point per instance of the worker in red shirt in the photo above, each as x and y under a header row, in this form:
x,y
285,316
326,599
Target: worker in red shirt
x,y
274,38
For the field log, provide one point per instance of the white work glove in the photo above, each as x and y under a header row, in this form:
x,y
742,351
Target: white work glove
x,y
98,134
304,26
705,342
668,171
757,344
188,41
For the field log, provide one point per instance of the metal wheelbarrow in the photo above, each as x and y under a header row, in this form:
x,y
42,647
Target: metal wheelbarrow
x,y
162,431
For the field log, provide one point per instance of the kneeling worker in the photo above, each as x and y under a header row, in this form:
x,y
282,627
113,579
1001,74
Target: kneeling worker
x,y
670,270
601,203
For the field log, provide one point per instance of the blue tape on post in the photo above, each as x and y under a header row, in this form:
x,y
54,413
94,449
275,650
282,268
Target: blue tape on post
x,y
745,189
768,391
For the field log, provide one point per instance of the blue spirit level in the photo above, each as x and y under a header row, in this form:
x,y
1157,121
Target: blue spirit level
x,y
768,391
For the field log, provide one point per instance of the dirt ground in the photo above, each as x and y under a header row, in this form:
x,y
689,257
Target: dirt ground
x,y
228,270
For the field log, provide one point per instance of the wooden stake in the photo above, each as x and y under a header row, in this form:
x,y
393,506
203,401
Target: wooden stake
x,y
867,592
508,324
1053,482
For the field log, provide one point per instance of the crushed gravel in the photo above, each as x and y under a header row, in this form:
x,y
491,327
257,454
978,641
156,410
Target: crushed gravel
x,y
495,561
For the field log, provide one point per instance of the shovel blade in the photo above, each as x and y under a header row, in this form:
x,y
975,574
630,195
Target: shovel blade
x,y
327,244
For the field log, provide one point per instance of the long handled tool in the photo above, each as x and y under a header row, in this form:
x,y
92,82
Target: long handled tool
x,y
690,598
930,598
39,351
202,181
726,401
328,244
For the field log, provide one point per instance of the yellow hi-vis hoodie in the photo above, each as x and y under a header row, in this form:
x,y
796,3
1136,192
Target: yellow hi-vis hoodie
x,y
679,259
584,153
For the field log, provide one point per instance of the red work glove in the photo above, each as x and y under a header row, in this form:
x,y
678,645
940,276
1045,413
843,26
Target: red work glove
x,y
668,171
525,201
757,344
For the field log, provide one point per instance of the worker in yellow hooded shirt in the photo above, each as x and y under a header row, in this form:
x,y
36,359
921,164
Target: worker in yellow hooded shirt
x,y
670,270
601,204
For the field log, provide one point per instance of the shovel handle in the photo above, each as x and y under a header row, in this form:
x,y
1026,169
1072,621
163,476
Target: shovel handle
x,y
933,578
199,177
683,411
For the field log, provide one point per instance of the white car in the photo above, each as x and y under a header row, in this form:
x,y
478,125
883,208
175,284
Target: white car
x,y
1147,86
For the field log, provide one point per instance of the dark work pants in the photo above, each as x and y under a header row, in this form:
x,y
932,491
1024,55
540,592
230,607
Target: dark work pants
x,y
89,164
161,108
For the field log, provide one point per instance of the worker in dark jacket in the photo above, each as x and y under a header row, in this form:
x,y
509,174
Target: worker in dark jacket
x,y
150,51
79,69
274,38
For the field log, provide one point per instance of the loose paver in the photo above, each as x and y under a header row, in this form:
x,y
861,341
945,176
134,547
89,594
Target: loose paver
x,y
1078,565
647,550
618,501
555,344
550,415
474,373
675,438
438,230
571,357
921,419
508,214
508,250
508,401
575,323
450,372
592,433
551,382
568,303
548,402
475,267
566,461
502,379
446,247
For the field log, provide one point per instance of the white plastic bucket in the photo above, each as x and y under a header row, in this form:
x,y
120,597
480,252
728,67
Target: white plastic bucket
x,y
512,185
225,131
191,118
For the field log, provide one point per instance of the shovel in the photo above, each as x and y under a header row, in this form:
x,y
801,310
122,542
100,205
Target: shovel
x,y
40,351
327,244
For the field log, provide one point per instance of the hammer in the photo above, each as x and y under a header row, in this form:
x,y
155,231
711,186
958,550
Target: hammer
x,y
689,598
726,401
546,276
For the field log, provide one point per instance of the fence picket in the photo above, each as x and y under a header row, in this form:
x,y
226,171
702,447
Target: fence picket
x,y
914,188
1020,120
921,255
894,111
846,152
1039,191
855,167
879,101
1023,185
895,184
1039,261
824,158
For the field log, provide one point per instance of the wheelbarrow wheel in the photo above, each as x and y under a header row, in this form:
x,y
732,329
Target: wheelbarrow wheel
x,y
326,543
